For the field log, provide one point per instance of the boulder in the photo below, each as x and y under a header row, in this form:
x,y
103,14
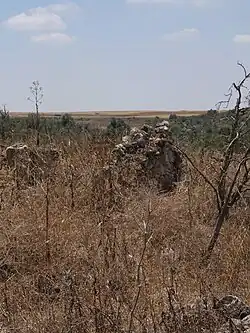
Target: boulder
x,y
15,152
30,164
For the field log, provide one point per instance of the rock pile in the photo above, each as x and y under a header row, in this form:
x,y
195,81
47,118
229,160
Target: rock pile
x,y
207,315
151,151
237,314
29,164
226,315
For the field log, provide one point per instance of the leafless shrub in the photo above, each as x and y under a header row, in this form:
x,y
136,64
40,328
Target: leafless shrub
x,y
233,173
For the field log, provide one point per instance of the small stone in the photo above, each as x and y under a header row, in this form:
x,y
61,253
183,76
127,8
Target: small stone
x,y
246,322
147,128
232,306
141,143
125,139
163,123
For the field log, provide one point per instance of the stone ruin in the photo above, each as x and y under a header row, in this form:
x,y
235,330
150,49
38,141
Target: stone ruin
x,y
29,164
237,314
228,314
151,153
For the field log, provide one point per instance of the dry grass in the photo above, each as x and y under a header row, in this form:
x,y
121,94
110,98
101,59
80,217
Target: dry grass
x,y
79,255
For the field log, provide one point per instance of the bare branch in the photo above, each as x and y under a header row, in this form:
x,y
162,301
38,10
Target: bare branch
x,y
236,195
225,102
203,176
228,197
243,67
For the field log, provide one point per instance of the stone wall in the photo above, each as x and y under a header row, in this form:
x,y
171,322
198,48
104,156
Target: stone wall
x,y
151,152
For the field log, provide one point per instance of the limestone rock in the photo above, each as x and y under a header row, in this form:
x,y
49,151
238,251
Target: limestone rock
x,y
28,163
233,307
237,314
151,151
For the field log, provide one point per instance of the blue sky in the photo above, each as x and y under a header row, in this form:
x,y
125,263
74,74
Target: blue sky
x,y
122,54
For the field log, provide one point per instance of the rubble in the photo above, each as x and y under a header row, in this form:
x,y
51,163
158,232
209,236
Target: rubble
x,y
29,164
237,314
151,152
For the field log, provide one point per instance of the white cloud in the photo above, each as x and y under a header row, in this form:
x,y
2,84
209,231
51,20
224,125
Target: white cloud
x,y
55,37
183,35
242,39
41,18
195,3
36,19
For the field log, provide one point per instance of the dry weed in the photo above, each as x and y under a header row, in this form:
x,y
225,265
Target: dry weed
x,y
120,259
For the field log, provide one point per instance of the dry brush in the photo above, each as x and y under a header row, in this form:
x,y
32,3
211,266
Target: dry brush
x,y
81,255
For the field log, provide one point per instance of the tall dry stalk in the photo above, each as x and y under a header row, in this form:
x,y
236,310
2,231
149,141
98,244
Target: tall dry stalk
x,y
37,99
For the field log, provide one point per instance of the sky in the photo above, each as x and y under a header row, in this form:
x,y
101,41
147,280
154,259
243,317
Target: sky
x,y
122,54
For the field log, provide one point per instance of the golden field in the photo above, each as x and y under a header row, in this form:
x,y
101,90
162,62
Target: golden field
x,y
122,114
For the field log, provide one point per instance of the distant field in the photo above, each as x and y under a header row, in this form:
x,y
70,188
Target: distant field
x,y
122,114
102,118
